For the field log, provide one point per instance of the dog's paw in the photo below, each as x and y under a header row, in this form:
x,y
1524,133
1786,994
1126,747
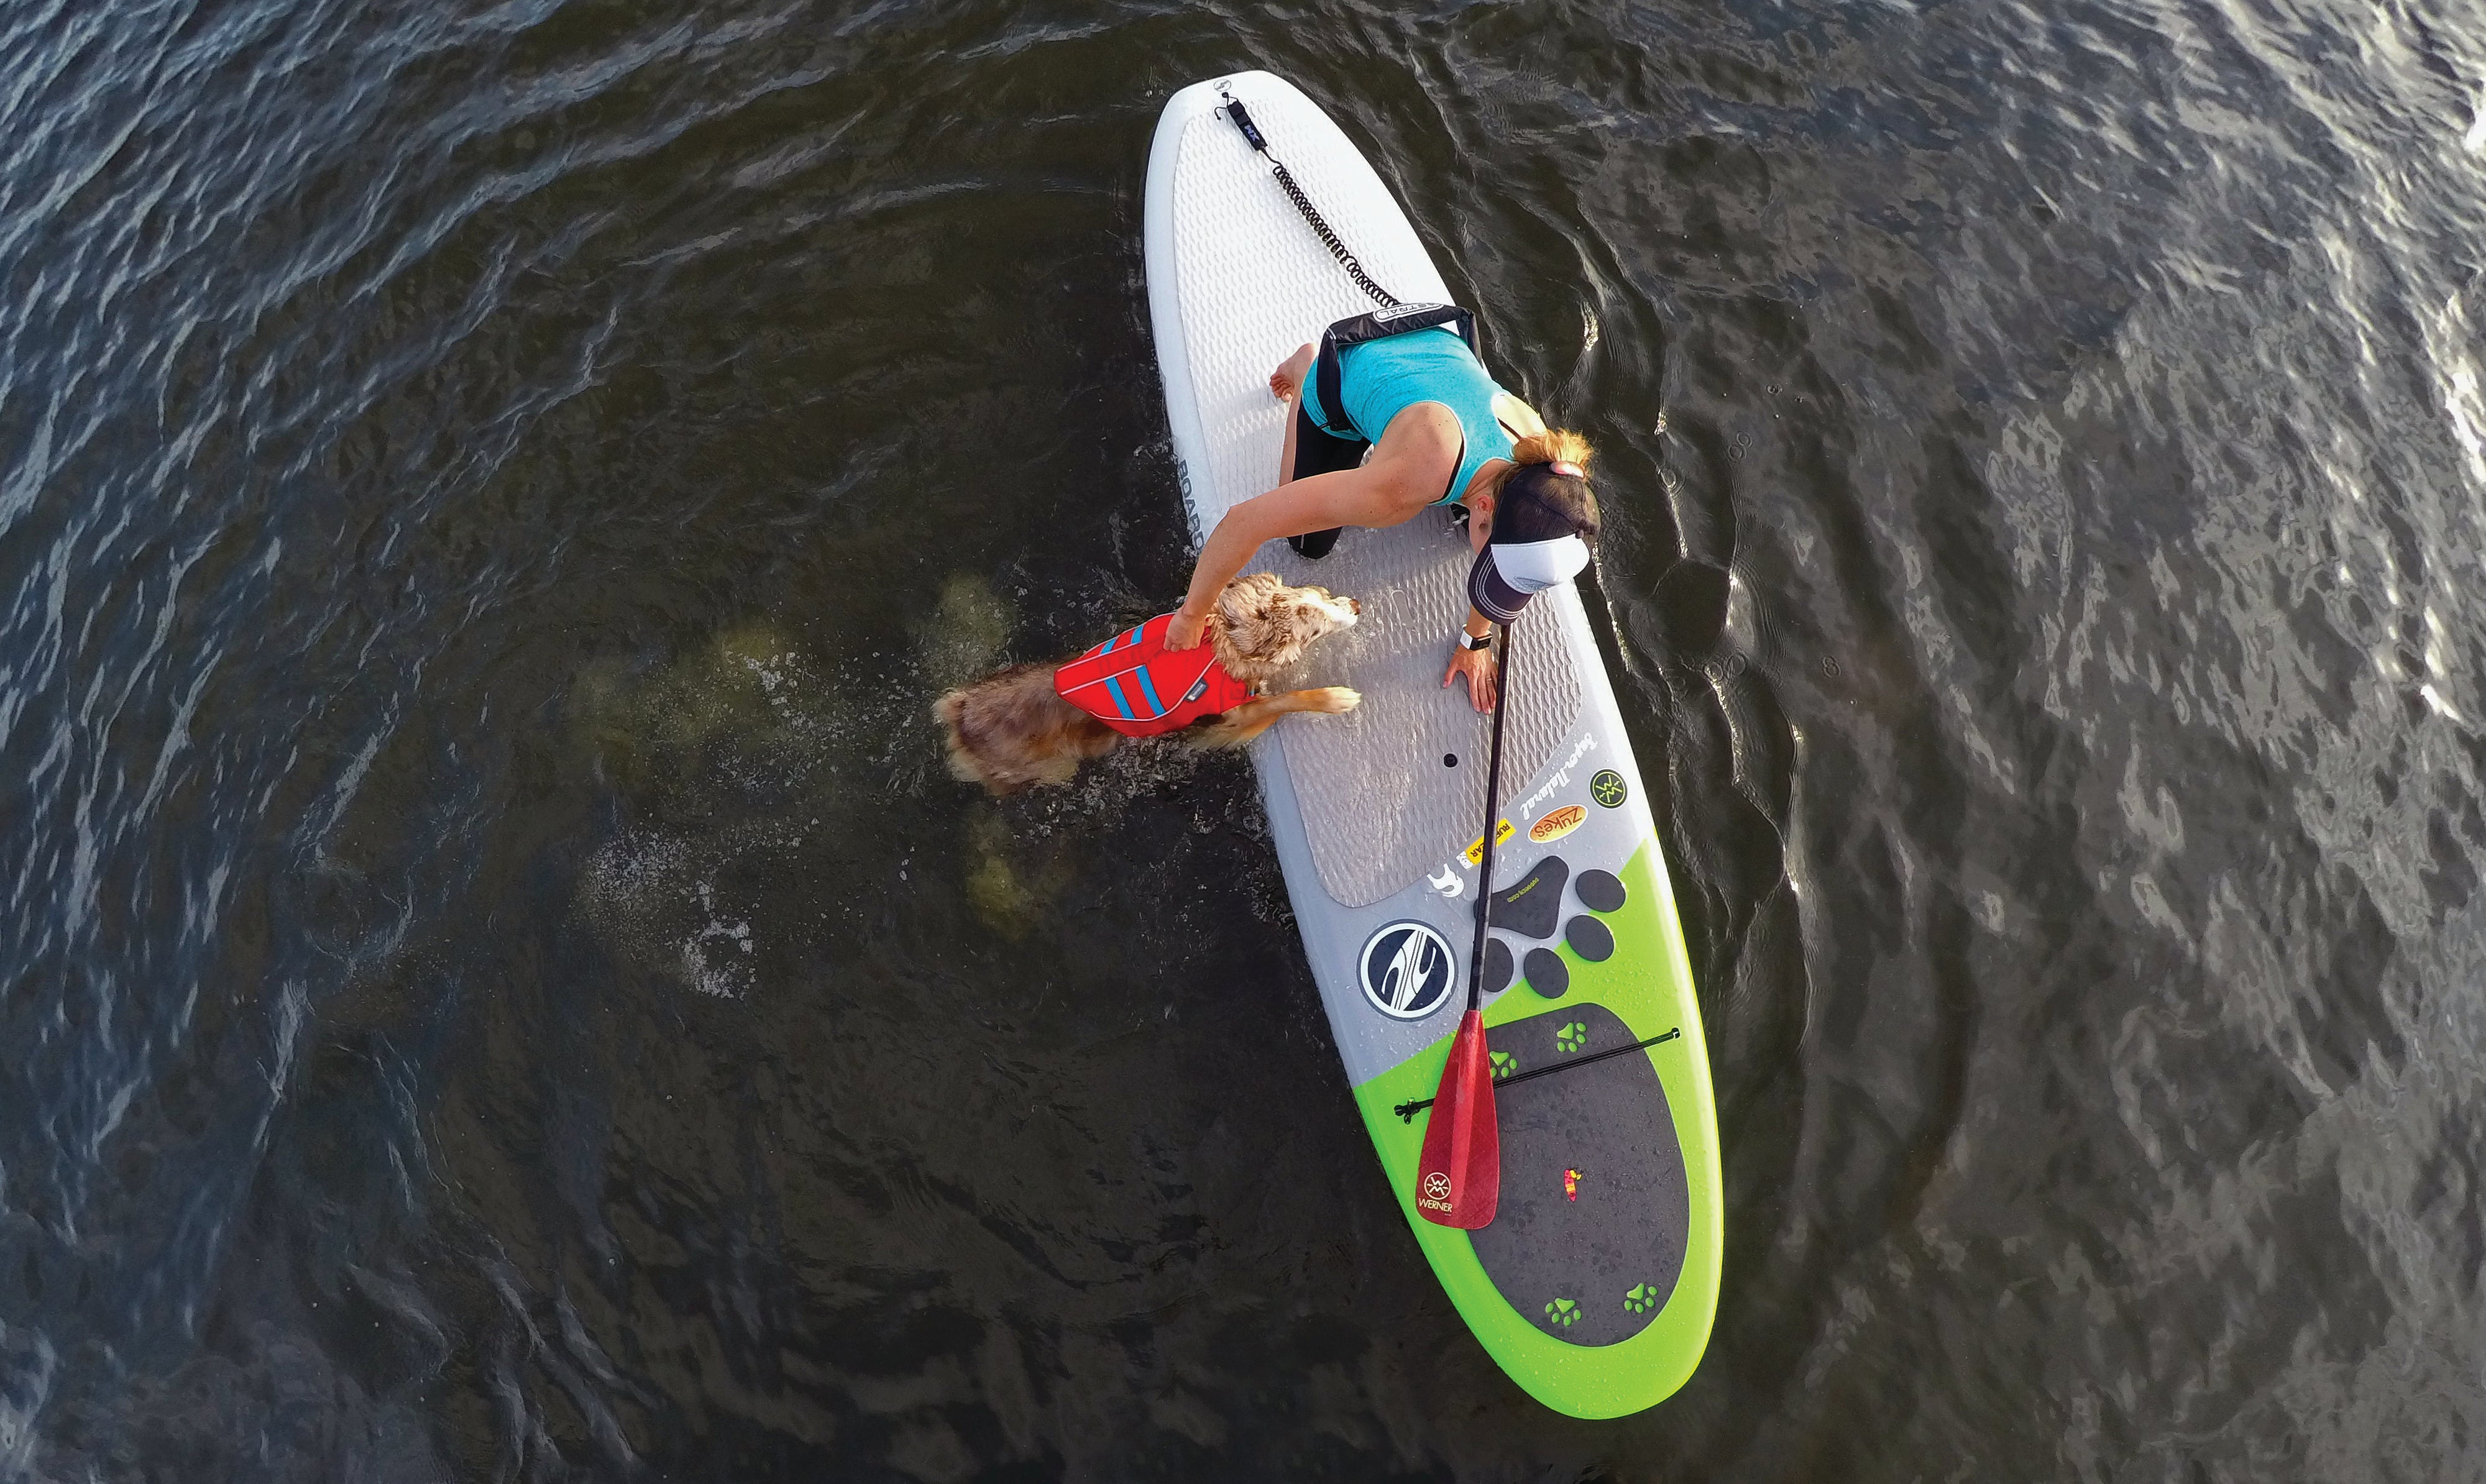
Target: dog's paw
x,y
1337,699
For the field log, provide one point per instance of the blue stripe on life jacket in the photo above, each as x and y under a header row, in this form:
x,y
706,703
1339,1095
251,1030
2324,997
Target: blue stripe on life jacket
x,y
1156,707
1114,689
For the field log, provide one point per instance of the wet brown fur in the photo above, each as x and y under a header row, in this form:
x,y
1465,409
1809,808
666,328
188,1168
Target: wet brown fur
x,y
1009,730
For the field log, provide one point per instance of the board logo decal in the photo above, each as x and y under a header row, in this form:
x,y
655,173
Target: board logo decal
x,y
1502,834
1562,777
1608,789
1406,971
1554,825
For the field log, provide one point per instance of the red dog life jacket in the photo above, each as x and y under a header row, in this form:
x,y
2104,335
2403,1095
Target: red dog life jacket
x,y
1131,683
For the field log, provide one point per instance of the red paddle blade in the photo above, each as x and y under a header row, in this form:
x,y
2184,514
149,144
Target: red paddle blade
x,y
1458,1179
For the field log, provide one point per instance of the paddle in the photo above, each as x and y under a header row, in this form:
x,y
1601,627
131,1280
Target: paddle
x,y
1458,1177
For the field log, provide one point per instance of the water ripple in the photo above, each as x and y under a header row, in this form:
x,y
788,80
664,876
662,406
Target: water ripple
x,y
503,988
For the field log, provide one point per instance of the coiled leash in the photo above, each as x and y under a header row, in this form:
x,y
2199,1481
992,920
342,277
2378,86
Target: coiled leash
x,y
1295,193
1393,316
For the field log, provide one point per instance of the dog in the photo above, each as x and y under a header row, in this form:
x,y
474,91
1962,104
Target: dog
x,y
1013,730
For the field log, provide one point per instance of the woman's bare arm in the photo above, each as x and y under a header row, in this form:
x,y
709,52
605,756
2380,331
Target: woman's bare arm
x,y
1378,494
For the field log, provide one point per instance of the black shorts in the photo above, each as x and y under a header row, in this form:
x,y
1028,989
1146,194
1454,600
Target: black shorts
x,y
1318,451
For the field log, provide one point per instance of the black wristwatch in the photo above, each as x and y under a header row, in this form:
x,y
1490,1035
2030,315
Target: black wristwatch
x,y
1472,643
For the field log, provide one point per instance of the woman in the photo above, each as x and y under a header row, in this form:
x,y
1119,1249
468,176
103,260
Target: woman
x,y
1441,432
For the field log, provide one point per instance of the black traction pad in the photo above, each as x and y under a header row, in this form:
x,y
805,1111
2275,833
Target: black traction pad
x,y
1547,973
1497,966
1606,1261
1589,938
1601,890
1532,907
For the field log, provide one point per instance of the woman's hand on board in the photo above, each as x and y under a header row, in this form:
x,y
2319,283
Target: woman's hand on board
x,y
1482,672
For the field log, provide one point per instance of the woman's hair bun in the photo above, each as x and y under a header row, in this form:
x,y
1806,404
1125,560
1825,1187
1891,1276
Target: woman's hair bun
x,y
1534,502
1553,446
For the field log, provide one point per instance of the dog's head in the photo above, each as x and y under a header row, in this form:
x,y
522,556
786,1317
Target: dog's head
x,y
1263,625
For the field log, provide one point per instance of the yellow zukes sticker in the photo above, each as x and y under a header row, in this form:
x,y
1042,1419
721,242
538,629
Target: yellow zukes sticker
x,y
1554,825
1502,835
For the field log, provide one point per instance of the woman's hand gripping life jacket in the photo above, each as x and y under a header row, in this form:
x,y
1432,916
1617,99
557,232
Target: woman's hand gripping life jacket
x,y
1131,684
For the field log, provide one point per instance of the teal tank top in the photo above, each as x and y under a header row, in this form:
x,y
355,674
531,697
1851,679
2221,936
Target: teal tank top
x,y
1381,379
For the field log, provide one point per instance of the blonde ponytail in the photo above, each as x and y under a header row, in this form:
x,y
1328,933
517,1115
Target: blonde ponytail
x,y
1553,446
1559,500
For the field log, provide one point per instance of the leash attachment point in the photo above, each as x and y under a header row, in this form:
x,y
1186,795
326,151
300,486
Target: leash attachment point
x,y
1243,120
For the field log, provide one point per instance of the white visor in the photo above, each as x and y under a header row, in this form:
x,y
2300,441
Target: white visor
x,y
1534,566
1504,577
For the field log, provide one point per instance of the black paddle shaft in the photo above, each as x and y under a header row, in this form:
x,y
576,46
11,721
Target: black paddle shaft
x,y
1492,818
1407,1112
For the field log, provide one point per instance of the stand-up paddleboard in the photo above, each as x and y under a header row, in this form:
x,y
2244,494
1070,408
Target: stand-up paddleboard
x,y
1596,1285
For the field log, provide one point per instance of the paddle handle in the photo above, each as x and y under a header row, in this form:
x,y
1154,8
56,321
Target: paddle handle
x,y
1492,818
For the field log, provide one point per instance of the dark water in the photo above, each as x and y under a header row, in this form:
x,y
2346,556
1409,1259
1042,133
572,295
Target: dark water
x,y
499,988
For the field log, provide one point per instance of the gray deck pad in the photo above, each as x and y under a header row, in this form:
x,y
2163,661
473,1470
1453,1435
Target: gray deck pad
x,y
1381,807
1594,1215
